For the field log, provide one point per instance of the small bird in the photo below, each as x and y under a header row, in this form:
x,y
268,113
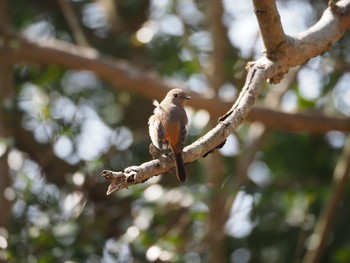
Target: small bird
x,y
168,127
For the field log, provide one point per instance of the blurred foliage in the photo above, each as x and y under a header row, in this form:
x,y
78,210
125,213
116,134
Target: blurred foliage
x,y
68,125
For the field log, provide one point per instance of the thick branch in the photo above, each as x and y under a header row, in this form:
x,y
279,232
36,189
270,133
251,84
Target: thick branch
x,y
259,71
270,26
227,124
215,236
220,40
122,74
6,101
320,38
327,31
298,122
293,51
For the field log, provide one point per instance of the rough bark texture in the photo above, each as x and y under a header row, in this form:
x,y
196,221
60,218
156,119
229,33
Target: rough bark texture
x,y
293,51
282,53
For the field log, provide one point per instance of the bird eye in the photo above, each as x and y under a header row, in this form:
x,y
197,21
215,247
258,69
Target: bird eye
x,y
175,95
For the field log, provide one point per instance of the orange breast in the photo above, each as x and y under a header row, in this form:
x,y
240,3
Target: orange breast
x,y
172,130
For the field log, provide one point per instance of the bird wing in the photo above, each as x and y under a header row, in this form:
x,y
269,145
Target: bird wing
x,y
183,136
156,132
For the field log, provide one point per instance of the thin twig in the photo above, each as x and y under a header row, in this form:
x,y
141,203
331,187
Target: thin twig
x,y
73,23
325,221
315,41
259,71
262,69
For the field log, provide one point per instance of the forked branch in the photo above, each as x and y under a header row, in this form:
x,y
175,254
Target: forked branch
x,y
287,52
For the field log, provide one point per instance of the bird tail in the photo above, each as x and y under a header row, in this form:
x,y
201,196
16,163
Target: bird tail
x,y
180,167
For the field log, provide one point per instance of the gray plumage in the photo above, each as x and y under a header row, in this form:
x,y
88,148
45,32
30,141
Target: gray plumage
x,y
168,126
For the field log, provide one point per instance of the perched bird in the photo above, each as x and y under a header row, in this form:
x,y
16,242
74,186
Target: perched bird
x,y
168,127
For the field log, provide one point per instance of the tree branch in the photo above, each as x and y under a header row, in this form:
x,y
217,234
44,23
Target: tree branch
x,y
259,71
257,75
290,51
324,224
298,122
124,75
73,22
217,77
216,74
315,41
270,26
6,131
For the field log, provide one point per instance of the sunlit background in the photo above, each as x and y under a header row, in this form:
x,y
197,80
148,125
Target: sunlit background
x,y
80,125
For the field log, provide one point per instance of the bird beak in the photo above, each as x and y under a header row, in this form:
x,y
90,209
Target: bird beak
x,y
187,97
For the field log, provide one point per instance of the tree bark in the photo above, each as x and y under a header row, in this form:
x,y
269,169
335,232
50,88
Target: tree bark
x,y
6,100
123,75
332,25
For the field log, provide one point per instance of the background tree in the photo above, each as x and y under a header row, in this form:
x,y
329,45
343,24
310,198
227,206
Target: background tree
x,y
76,83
